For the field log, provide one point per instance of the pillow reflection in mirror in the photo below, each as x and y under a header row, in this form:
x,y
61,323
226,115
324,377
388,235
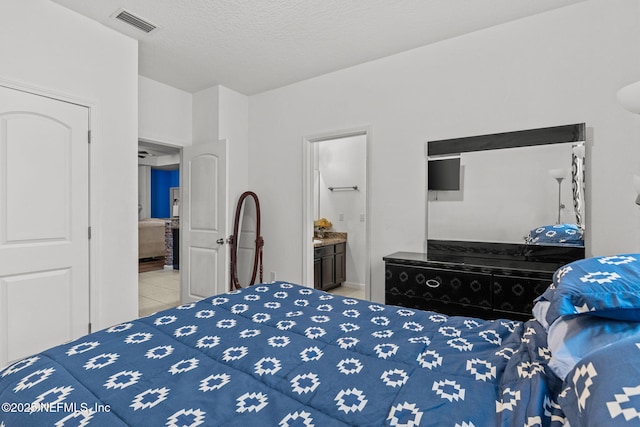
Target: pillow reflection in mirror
x,y
557,234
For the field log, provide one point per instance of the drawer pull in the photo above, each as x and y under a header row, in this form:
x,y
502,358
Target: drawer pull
x,y
432,283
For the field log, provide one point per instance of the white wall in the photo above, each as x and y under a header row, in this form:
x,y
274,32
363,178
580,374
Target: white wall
x,y
220,113
164,113
205,110
58,51
555,68
342,162
233,125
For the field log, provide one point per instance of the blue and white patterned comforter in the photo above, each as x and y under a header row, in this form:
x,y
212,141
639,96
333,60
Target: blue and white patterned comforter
x,y
286,355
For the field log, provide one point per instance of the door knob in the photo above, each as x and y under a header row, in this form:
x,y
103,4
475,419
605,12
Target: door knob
x,y
220,241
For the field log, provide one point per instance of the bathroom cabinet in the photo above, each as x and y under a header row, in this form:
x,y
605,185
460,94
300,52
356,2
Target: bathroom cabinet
x,y
329,267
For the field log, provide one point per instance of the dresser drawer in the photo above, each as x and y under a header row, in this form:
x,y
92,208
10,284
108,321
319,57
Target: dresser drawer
x,y
442,307
516,294
447,286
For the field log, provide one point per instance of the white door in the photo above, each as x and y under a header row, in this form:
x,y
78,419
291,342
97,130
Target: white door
x,y
44,219
203,221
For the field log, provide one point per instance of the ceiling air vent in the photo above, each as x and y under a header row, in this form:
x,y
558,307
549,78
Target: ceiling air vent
x,y
135,21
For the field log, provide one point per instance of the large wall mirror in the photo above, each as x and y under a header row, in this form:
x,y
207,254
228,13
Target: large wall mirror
x,y
508,186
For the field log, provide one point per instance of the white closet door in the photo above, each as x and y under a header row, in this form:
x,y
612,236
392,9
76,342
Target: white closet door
x,y
44,219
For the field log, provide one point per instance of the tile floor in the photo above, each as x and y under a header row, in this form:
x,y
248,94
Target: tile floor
x,y
348,291
160,289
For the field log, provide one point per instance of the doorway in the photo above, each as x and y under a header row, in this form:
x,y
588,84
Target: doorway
x,y
336,187
158,220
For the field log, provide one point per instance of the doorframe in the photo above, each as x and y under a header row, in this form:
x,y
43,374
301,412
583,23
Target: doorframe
x,y
92,111
308,160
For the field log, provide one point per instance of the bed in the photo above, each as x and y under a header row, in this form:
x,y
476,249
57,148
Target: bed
x,y
285,355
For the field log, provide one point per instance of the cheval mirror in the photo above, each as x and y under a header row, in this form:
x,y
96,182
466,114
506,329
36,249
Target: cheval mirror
x,y
246,242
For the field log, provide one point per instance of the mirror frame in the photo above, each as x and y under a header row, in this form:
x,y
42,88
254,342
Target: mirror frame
x,y
233,240
572,133
522,138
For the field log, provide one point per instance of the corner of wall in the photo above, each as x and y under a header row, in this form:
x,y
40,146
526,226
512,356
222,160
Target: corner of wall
x,y
205,121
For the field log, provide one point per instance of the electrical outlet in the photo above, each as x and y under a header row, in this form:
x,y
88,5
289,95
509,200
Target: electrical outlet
x,y
273,276
361,217
340,217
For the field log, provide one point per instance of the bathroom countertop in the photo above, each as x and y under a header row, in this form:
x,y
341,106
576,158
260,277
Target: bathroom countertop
x,y
330,238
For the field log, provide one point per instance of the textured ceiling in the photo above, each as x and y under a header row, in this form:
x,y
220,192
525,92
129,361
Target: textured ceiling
x,y
255,45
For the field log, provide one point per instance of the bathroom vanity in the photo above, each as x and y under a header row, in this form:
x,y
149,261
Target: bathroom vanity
x,y
329,266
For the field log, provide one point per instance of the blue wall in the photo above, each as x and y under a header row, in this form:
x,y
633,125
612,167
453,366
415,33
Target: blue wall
x,y
161,182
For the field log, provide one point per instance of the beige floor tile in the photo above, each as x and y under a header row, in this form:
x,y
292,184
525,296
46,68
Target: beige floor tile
x,y
158,290
163,295
165,278
145,287
147,306
348,292
172,283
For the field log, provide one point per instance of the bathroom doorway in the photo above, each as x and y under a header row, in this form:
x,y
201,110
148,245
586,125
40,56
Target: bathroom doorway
x,y
336,188
158,220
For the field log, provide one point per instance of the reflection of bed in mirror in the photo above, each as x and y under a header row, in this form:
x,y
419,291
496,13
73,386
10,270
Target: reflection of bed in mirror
x,y
556,234
510,183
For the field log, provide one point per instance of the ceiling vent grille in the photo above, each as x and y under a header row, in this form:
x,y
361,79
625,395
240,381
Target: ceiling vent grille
x,y
135,21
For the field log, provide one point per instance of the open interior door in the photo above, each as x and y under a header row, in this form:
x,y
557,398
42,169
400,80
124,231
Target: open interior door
x,y
203,221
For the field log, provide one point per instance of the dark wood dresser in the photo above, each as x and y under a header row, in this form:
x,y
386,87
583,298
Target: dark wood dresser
x,y
486,280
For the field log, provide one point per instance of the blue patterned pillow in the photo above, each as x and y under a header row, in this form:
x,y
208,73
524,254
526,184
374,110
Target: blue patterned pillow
x,y
565,234
601,286
602,389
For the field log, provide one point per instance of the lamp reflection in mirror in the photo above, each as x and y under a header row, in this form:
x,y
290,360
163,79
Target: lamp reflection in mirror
x,y
577,181
636,185
578,150
629,97
559,175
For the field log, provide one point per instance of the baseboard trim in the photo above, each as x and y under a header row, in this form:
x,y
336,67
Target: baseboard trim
x,y
353,285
